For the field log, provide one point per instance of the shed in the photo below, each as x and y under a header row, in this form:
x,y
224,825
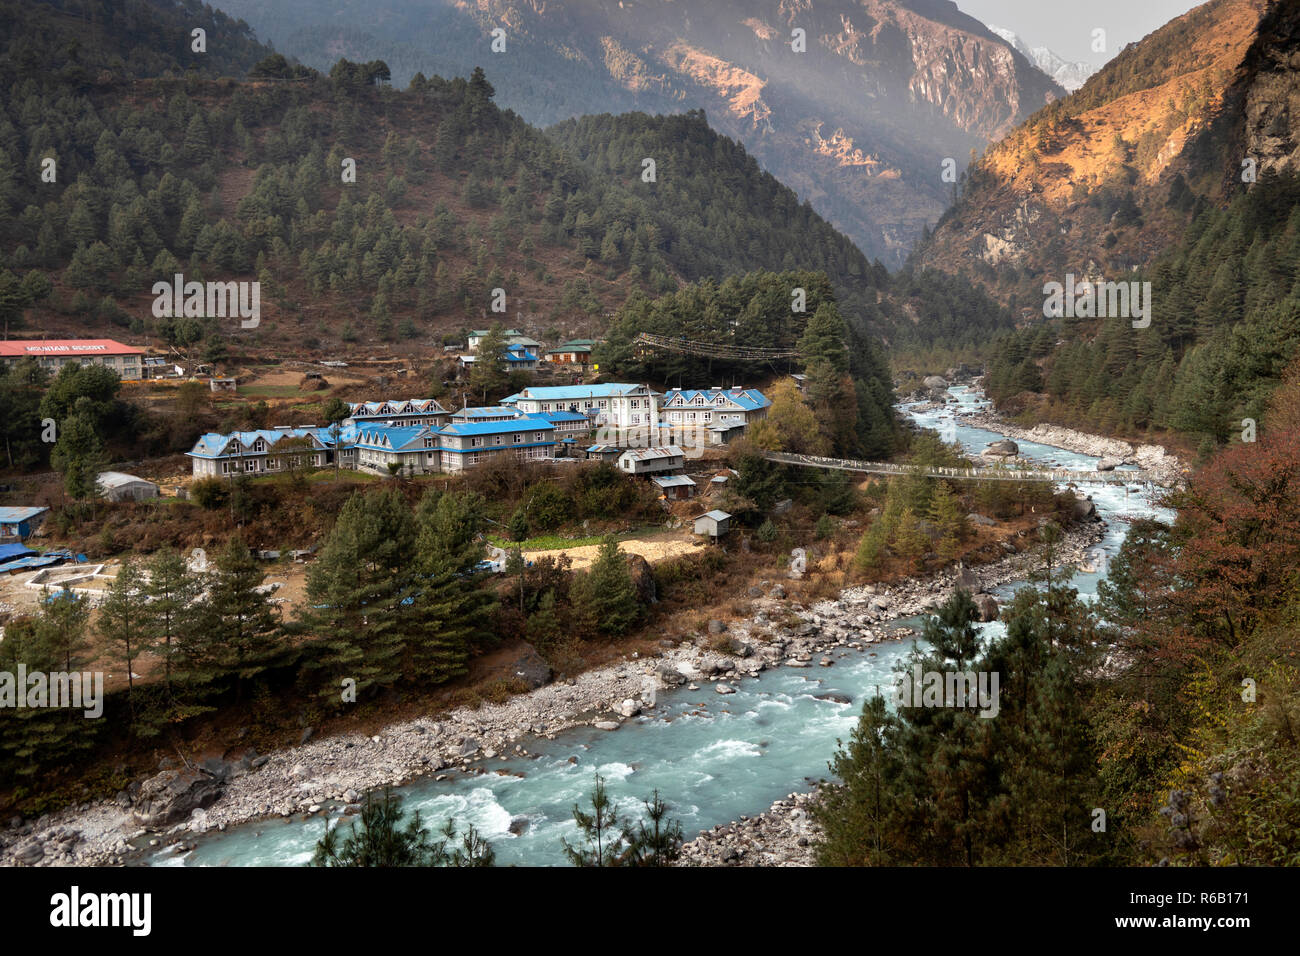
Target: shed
x,y
639,461
223,384
675,487
714,523
21,522
604,452
117,486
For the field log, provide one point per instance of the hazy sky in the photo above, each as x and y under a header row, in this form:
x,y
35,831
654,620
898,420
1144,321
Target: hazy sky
x,y
1066,26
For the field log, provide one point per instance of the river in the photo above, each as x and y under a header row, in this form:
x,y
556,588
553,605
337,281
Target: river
x,y
712,757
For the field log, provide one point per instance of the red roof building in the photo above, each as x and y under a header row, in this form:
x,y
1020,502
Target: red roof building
x,y
55,353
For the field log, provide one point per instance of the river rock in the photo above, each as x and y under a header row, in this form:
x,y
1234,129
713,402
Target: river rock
x,y
1005,448
987,606
606,725
1108,464
174,795
518,825
30,853
629,708
670,675
834,696
725,689
1084,510
530,667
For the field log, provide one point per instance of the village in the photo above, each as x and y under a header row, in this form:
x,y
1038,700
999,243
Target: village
x,y
674,441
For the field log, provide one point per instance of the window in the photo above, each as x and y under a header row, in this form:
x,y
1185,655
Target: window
x,y
537,436
259,446
602,405
519,439
636,403
699,399
546,406
475,442
636,419
250,464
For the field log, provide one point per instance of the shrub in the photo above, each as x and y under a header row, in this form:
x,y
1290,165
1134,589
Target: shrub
x,y
209,493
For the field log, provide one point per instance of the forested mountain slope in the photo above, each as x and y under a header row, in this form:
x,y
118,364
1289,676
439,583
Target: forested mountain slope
x,y
859,124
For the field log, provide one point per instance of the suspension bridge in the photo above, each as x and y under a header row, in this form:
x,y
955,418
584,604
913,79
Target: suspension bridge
x,y
646,343
997,473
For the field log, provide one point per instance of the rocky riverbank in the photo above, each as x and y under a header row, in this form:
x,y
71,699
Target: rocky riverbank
x,y
182,802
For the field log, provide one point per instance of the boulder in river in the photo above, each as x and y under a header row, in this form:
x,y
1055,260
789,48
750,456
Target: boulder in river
x,y
1005,448
987,605
1084,510
670,675
834,696
1108,464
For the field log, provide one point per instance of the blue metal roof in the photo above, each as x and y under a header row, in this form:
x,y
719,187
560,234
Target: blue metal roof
x,y
388,436
470,451
10,551
672,481
507,427
560,416
489,411
563,393
15,515
749,399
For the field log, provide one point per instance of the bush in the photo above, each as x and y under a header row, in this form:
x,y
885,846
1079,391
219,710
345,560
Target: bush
x,y
549,506
209,493
766,532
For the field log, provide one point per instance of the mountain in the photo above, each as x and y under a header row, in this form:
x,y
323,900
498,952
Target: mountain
x,y
1100,182
1071,74
860,124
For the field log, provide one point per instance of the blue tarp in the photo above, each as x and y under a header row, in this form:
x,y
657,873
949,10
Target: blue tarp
x,y
10,551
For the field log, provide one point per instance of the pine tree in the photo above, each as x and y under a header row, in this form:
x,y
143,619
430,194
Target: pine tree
x,y
79,452
602,830
240,626
356,591
605,596
452,603
173,592
122,622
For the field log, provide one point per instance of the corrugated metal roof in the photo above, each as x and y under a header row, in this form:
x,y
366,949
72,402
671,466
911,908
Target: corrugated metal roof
x,y
10,551
487,411
561,393
653,454
39,347
672,481
496,428
116,479
715,515
749,399
11,515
